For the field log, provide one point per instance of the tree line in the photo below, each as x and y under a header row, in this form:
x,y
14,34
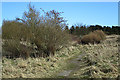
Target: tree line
x,y
81,30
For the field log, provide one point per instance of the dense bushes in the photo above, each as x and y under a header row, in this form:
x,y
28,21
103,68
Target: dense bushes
x,y
49,39
33,35
11,30
93,37
14,49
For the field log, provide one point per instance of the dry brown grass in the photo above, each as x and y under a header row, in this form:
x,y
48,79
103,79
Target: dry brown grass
x,y
101,34
93,37
38,67
100,61
75,39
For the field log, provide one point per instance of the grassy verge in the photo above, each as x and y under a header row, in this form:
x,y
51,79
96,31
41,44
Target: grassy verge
x,y
38,67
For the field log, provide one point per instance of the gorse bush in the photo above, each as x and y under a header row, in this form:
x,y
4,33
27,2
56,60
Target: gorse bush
x,y
34,35
93,37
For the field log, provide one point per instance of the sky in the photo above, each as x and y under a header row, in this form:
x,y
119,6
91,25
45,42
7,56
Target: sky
x,y
89,13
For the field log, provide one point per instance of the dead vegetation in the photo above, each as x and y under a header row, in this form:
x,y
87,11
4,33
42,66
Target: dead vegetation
x,y
100,61
37,38
43,33
93,37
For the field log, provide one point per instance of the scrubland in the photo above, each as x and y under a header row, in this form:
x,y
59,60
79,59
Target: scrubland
x,y
42,46
98,61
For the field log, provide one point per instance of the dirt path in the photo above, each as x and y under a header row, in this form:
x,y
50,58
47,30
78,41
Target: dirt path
x,y
78,63
74,64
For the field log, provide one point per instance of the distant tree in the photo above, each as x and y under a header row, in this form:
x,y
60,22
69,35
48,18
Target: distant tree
x,y
92,28
82,30
104,28
66,28
108,30
115,30
72,29
77,30
98,27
